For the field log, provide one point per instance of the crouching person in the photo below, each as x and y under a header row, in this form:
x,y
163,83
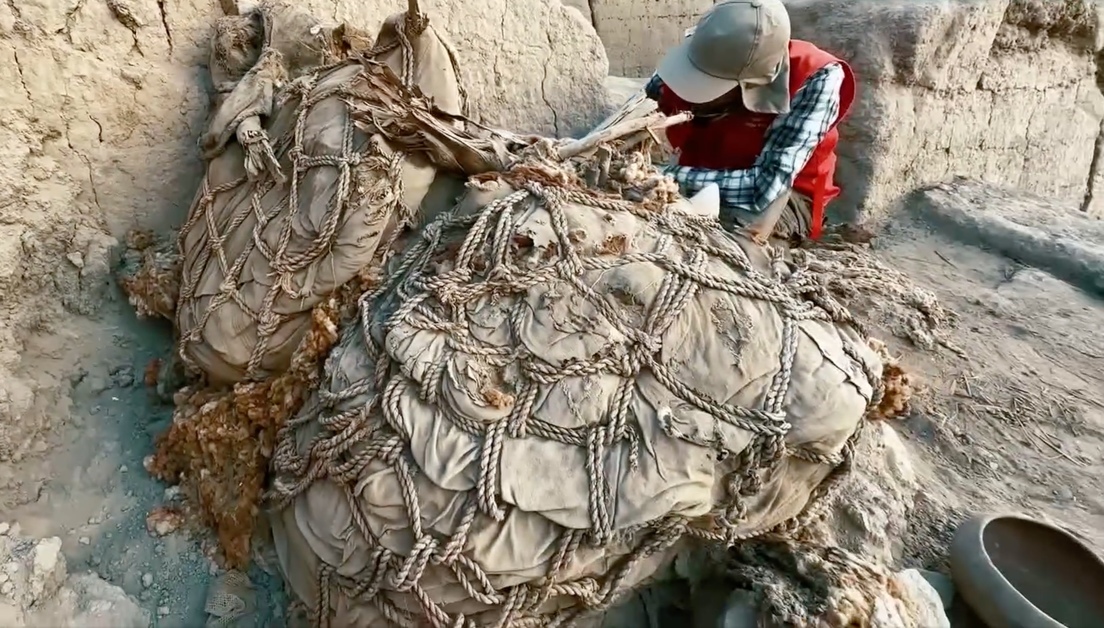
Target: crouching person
x,y
765,111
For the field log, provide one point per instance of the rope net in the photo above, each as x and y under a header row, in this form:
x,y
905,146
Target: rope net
x,y
535,327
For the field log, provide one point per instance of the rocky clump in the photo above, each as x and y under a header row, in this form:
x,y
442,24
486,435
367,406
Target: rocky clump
x,y
37,590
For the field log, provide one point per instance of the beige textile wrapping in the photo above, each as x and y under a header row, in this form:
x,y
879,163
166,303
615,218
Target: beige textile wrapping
x,y
553,393
305,198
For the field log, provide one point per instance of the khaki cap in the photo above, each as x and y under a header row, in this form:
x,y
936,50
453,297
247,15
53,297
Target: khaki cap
x,y
741,43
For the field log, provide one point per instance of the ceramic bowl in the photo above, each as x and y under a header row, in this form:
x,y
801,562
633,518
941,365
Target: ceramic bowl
x,y
1016,572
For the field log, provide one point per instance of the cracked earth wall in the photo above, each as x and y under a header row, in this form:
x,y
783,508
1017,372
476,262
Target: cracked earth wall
x,y
1001,90
102,103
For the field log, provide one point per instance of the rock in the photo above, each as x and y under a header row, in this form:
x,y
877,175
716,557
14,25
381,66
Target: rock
x,y
86,600
123,376
163,521
922,600
583,7
37,591
147,580
47,569
4,527
869,513
1026,227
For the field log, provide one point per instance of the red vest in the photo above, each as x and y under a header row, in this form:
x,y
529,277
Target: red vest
x,y
734,141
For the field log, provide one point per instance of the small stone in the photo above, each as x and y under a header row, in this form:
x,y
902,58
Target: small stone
x,y
4,577
92,521
123,376
123,469
4,527
163,521
6,588
95,560
84,540
147,580
47,568
162,611
1063,493
926,603
76,259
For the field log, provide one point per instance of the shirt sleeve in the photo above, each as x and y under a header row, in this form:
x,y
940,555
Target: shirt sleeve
x,y
789,144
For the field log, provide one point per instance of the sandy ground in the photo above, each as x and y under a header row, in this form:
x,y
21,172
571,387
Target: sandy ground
x,y
1016,422
1010,417
89,487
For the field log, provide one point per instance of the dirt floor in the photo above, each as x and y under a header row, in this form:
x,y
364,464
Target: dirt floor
x,y
87,484
1009,417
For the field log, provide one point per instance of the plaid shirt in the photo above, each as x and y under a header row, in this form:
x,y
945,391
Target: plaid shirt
x,y
789,144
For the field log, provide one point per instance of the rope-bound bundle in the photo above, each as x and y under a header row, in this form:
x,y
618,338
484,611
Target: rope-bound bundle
x,y
553,391
313,191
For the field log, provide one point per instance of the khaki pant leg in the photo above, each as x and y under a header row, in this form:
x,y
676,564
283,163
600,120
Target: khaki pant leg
x,y
796,218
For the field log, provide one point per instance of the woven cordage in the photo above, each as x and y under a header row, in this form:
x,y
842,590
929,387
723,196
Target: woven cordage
x,y
368,177
353,424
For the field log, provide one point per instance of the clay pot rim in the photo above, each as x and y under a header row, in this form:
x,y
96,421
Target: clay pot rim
x,y
987,591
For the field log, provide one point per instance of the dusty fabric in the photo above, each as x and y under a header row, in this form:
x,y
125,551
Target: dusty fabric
x,y
554,393
306,197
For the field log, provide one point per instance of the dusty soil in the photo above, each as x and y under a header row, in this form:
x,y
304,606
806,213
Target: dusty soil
x,y
1009,416
88,486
